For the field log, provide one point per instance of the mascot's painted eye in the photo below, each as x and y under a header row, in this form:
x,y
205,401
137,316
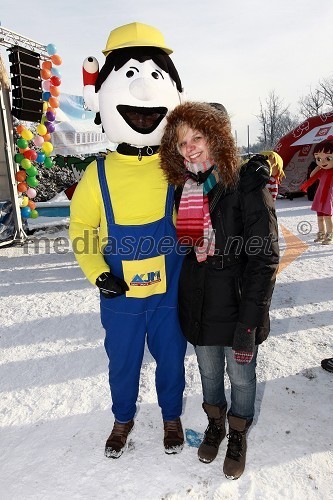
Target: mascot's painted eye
x,y
130,73
155,75
90,64
90,70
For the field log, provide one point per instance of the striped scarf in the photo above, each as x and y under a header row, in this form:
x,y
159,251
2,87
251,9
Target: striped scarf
x,y
193,221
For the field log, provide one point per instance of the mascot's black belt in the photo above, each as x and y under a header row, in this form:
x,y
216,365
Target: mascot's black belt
x,y
127,149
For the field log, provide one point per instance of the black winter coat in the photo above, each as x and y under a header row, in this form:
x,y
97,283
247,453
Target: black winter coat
x,y
235,287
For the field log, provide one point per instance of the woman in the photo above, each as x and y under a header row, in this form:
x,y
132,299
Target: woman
x,y
228,276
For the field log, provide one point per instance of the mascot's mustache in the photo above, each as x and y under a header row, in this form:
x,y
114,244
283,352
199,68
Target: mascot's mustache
x,y
141,119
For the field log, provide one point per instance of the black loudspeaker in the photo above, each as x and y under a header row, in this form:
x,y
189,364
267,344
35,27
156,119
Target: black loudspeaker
x,y
27,92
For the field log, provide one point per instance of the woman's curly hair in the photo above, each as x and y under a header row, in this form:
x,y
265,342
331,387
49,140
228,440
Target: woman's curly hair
x,y
214,124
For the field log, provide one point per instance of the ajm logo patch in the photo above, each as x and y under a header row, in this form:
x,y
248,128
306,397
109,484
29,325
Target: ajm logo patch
x,y
146,279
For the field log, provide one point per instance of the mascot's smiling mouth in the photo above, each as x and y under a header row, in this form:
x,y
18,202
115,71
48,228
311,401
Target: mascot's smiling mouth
x,y
142,120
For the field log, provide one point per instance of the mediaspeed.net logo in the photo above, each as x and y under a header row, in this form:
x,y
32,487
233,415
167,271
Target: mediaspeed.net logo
x,y
146,279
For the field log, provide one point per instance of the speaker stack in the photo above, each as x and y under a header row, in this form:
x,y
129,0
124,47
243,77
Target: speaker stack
x,y
27,92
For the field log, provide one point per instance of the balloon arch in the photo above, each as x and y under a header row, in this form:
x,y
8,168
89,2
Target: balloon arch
x,y
34,146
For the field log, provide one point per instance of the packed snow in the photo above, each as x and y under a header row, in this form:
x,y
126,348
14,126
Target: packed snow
x,y
55,402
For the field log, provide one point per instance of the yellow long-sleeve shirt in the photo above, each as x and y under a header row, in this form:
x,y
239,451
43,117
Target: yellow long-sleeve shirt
x,y
138,192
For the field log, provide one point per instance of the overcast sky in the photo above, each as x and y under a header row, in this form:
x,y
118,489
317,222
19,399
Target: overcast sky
x,y
233,52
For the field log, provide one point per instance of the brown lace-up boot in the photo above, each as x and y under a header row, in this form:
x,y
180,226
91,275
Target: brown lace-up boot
x,y
234,463
117,441
173,436
214,433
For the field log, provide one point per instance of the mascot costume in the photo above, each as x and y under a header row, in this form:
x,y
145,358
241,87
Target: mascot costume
x,y
122,230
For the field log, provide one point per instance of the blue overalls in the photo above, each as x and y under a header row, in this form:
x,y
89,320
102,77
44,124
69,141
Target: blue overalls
x,y
145,256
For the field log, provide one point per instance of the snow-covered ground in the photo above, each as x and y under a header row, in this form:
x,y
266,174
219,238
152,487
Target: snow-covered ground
x,y
55,405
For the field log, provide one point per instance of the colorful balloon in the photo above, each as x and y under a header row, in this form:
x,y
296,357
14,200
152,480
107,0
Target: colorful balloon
x,y
56,72
47,137
45,74
51,49
22,143
50,127
46,96
32,171
46,85
20,128
22,187
31,154
25,212
20,175
54,91
54,102
31,192
45,106
56,59
40,157
27,134
41,129
50,116
34,214
32,181
48,162
24,201
55,80
26,153
38,141
18,157
46,65
31,205
25,163
47,147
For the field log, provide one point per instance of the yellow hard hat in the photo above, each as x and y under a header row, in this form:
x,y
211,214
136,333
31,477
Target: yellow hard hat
x,y
135,35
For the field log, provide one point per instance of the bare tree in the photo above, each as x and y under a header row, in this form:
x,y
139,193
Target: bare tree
x,y
317,101
275,120
326,87
312,104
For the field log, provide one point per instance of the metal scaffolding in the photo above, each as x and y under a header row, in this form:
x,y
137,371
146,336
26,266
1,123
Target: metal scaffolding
x,y
8,39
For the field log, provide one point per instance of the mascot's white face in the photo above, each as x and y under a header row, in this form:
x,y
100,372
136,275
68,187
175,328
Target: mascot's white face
x,y
134,101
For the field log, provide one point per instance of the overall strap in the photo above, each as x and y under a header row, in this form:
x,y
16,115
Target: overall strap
x,y
169,201
105,191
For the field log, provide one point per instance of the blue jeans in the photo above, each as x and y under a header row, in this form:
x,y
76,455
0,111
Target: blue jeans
x,y
212,360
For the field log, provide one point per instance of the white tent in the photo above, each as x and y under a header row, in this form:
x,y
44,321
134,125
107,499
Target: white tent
x,y
296,150
75,131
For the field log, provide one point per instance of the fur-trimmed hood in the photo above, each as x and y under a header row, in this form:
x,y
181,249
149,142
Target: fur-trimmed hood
x,y
214,124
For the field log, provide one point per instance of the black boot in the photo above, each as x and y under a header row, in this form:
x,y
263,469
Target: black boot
x,y
234,463
117,441
214,433
327,364
173,436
